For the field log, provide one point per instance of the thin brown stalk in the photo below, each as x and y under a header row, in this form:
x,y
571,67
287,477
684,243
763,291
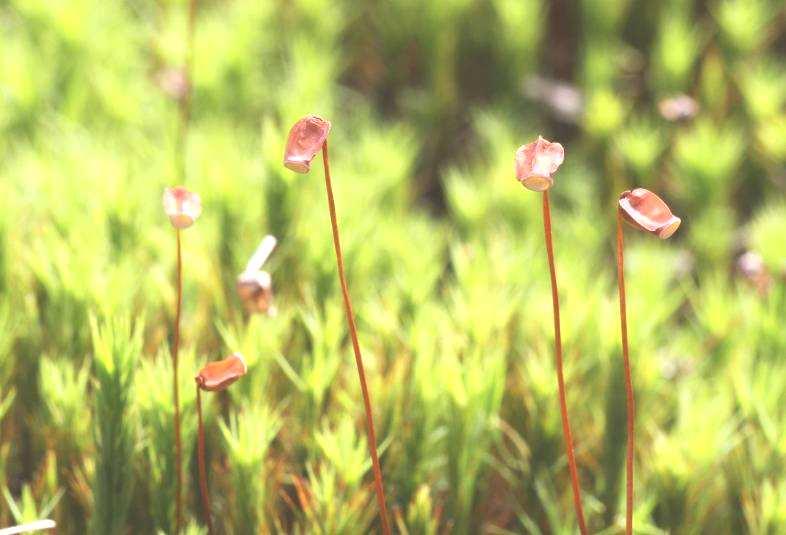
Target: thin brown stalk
x,y
372,438
202,466
574,476
176,391
631,407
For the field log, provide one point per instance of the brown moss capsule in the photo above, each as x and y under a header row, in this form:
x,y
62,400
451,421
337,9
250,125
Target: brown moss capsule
x,y
255,287
256,292
218,375
646,211
304,142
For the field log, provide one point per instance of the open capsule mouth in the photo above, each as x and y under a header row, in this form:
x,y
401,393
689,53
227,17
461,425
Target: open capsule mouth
x,y
298,166
670,228
538,183
181,221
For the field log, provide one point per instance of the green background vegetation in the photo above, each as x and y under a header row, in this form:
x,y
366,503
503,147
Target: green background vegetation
x,y
445,259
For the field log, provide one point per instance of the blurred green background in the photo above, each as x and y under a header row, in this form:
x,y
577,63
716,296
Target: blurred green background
x,y
445,257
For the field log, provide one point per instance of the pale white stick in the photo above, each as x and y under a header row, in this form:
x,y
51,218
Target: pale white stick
x,y
27,528
261,255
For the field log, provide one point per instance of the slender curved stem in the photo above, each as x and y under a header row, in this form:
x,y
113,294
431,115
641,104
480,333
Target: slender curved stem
x,y
201,463
176,392
631,406
372,438
563,404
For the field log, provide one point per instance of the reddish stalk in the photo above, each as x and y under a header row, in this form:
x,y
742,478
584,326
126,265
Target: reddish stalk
x,y
176,392
631,407
201,463
183,207
372,438
213,377
574,476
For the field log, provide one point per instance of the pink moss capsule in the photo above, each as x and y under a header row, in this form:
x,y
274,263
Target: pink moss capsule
x,y
218,375
182,206
648,212
304,142
536,162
